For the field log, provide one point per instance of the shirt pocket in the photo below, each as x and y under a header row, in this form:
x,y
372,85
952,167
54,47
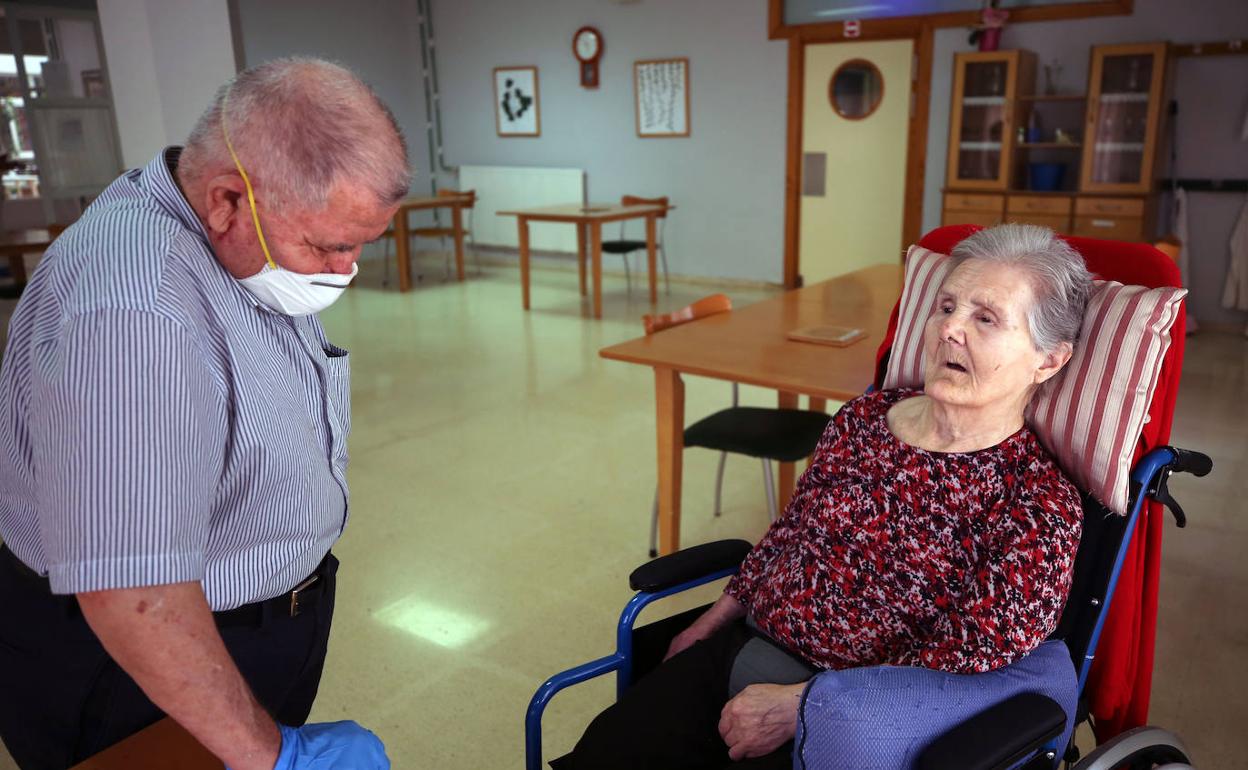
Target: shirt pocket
x,y
338,400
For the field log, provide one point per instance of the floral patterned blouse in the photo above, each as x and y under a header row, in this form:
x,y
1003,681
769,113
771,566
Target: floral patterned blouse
x,y
891,554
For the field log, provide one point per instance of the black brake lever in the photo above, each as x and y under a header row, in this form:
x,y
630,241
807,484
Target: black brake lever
x,y
1162,495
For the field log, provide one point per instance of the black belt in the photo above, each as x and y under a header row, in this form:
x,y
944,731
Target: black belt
x,y
304,596
301,598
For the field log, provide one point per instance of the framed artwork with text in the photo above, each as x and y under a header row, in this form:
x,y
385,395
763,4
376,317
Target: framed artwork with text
x,y
661,88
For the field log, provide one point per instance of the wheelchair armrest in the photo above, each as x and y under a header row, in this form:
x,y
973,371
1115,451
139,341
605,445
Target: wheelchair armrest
x,y
688,564
997,737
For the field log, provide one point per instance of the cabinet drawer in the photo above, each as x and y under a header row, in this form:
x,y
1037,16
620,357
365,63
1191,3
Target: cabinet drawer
x,y
1116,207
982,218
970,202
1058,222
1111,228
1038,204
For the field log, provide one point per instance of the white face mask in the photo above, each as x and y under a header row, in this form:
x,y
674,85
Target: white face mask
x,y
293,293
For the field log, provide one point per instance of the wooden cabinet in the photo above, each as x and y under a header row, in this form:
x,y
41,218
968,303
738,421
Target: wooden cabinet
x,y
973,209
991,204
1004,140
1124,118
1119,219
1052,211
986,87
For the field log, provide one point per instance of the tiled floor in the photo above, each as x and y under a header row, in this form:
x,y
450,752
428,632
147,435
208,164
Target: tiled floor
x,y
501,480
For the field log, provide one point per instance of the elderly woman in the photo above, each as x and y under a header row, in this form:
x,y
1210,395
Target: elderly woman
x,y
930,529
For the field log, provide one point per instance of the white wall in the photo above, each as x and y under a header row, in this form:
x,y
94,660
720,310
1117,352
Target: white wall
x,y
1213,99
727,178
166,59
377,39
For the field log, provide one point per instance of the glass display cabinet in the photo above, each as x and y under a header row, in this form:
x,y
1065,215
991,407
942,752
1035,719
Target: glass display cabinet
x,y
986,88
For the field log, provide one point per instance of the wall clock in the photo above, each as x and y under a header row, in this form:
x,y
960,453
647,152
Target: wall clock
x,y
587,45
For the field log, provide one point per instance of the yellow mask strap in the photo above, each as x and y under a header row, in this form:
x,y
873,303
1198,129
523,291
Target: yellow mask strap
x,y
251,196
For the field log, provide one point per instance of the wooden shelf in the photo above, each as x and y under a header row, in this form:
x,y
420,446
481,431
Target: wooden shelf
x,y
1049,146
1054,98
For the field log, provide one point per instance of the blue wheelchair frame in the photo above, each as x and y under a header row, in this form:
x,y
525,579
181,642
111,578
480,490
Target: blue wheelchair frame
x,y
1149,473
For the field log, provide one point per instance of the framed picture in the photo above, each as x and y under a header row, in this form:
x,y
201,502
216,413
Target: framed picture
x,y
516,105
661,87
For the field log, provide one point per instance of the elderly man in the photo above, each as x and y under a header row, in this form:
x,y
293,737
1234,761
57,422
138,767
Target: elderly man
x,y
173,427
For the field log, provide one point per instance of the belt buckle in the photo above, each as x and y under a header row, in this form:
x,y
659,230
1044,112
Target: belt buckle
x,y
294,594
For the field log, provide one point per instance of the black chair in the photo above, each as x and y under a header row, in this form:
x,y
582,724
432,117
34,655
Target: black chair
x,y
624,246
770,435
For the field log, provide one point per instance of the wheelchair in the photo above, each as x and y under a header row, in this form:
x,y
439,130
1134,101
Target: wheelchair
x,y
1022,730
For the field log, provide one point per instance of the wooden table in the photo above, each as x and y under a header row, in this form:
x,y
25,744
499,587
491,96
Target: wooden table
x,y
14,244
163,746
589,221
749,346
402,253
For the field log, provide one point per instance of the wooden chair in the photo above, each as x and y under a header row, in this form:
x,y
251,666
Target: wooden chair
x,y
442,233
1170,245
782,435
437,232
624,246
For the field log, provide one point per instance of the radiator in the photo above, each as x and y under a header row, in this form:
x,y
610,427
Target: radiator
x,y
508,188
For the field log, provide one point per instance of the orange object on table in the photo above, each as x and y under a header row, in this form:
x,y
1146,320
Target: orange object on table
x,y
750,345
716,303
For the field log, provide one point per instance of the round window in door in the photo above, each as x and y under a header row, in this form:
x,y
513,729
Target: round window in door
x,y
856,89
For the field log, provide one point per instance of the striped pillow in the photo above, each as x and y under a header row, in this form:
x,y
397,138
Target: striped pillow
x,y
1091,414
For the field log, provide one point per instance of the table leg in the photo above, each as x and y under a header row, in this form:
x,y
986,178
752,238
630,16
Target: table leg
x,y
595,232
524,260
669,392
650,257
788,471
580,256
818,404
457,222
401,253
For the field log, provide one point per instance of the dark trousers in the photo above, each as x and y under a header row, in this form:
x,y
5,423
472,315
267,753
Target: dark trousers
x,y
670,718
63,699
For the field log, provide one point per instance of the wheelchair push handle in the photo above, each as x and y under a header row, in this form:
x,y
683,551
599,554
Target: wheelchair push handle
x,y
1189,461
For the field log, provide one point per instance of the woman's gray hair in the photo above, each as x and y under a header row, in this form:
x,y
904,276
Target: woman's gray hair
x,y
1060,281
299,125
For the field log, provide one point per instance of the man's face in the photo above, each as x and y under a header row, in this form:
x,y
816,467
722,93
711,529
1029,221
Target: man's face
x,y
327,241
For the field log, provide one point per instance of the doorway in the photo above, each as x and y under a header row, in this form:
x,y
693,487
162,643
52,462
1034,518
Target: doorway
x,y
855,124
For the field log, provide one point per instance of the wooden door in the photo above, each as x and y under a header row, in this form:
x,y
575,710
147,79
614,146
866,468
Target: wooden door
x,y
854,141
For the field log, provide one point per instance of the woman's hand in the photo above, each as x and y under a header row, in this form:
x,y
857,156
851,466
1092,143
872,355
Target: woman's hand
x,y
685,639
725,610
760,719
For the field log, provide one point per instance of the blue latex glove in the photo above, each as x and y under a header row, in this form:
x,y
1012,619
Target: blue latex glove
x,y
331,746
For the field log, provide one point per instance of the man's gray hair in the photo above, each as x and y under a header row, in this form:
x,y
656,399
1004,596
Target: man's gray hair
x,y
1060,281
300,125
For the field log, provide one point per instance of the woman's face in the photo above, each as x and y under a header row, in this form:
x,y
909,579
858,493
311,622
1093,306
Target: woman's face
x,y
977,344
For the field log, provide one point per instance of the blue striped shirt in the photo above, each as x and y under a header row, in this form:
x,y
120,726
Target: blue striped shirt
x,y
157,423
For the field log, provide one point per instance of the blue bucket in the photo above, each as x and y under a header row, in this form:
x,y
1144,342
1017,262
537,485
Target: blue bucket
x,y
1046,176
